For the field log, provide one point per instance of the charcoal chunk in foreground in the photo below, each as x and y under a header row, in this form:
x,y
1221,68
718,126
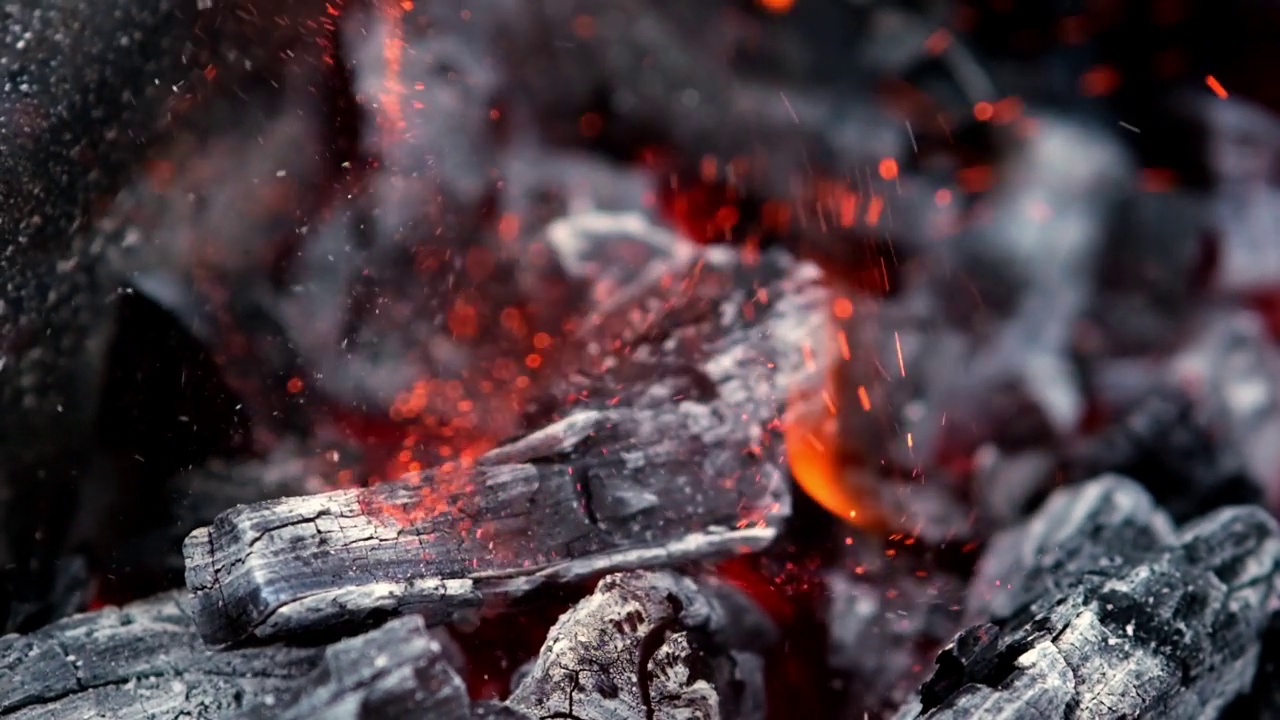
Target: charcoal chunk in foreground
x,y
641,646
1172,631
395,671
140,662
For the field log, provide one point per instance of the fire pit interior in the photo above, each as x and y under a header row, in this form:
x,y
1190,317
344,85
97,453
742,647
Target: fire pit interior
x,y
655,359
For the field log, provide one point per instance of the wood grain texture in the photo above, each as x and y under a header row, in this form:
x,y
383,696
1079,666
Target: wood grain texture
x,y
140,662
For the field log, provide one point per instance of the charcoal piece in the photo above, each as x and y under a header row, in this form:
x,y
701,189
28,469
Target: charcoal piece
x,y
1172,632
1078,529
143,661
684,465
1151,276
1229,368
640,647
752,630
395,671
489,710
987,342
1164,444
1263,700
1242,149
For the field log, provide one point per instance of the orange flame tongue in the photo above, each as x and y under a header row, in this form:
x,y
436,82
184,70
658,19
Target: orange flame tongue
x,y
809,430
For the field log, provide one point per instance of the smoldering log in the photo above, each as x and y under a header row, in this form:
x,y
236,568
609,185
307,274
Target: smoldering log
x,y
397,670
684,465
1142,620
641,646
140,662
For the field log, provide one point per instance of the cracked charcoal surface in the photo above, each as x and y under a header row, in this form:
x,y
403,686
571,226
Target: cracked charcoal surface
x,y
640,646
140,662
395,671
610,486
1124,616
145,661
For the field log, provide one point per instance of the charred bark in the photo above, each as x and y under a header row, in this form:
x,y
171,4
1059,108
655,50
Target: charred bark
x,y
641,646
395,671
145,661
140,662
1113,613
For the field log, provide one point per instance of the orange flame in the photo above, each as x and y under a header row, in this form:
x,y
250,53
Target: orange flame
x,y
810,431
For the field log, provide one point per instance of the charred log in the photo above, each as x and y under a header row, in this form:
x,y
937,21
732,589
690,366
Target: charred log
x,y
641,646
140,662
397,670
1137,620
684,467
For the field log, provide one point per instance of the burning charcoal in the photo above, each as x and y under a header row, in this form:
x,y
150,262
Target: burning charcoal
x,y
1124,617
655,474
397,670
1230,368
640,647
1162,444
143,661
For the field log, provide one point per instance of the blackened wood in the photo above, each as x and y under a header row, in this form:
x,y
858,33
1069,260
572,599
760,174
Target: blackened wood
x,y
682,463
140,662
640,646
1169,632
395,671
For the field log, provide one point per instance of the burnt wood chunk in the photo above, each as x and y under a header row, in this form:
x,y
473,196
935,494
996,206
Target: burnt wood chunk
x,y
687,467
1117,615
395,671
140,662
641,646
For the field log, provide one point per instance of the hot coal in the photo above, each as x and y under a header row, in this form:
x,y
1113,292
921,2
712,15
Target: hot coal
x,y
1128,617
663,477
642,646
